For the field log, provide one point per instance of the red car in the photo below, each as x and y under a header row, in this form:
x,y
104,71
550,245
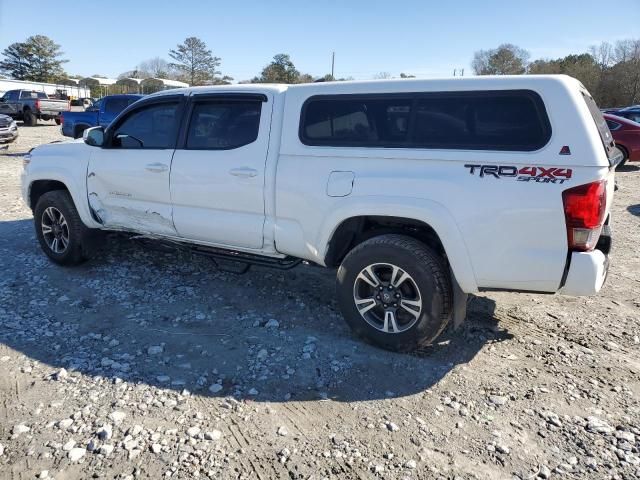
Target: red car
x,y
626,135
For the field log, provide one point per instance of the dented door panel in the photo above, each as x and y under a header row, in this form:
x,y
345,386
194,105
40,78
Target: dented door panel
x,y
130,190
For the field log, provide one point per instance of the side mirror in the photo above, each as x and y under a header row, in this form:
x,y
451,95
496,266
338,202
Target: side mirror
x,y
93,137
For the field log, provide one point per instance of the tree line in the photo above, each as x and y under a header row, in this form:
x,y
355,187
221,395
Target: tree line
x,y
611,72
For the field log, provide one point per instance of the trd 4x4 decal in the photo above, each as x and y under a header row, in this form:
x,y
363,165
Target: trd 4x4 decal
x,y
523,174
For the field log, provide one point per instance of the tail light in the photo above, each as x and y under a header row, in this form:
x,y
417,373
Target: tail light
x,y
37,104
584,209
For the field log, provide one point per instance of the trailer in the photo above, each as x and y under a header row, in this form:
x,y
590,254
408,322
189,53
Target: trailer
x,y
51,89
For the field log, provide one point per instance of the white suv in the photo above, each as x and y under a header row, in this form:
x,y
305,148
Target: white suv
x,y
419,191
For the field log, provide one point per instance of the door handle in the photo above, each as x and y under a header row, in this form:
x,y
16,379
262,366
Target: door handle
x,y
244,172
156,167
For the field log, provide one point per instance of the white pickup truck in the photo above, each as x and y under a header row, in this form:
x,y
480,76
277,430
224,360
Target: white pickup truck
x,y
419,192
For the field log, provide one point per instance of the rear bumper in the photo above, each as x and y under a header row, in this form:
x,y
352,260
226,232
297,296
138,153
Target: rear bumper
x,y
587,273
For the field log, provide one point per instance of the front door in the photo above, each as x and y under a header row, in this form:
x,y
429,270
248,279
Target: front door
x,y
128,179
218,173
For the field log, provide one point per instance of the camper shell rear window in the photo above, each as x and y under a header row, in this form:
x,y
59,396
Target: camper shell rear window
x,y
512,120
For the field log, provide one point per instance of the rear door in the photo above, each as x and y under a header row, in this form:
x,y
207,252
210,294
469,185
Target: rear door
x,y
128,179
218,171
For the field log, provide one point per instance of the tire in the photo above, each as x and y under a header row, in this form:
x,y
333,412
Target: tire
x,y
29,119
625,156
401,326
79,238
79,131
57,120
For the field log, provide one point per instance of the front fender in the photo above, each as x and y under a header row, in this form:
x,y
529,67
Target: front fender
x,y
428,211
75,183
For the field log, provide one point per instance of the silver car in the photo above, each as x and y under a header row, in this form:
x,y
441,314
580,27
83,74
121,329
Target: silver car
x,y
8,129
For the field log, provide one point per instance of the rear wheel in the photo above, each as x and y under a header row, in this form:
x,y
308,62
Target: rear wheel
x,y
60,231
395,291
29,118
57,120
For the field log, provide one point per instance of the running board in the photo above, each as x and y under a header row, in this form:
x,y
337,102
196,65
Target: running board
x,y
247,260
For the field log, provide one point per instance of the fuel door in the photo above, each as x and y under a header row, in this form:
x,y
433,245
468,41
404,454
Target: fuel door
x,y
340,184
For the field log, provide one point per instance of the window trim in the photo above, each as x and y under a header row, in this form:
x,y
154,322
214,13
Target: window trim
x,y
219,98
616,127
415,97
134,107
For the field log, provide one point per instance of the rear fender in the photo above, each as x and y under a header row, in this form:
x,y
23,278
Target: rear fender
x,y
432,213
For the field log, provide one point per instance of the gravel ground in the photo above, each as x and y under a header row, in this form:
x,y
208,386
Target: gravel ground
x,y
147,364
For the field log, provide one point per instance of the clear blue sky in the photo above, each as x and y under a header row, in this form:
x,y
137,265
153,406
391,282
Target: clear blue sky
x,y
421,37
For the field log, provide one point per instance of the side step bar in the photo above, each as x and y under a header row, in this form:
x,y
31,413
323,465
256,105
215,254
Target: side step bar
x,y
247,260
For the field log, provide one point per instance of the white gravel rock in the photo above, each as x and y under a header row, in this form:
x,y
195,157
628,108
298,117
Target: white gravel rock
x,y
392,427
282,431
105,449
117,417
193,432
273,323
69,445
20,429
597,425
213,435
76,454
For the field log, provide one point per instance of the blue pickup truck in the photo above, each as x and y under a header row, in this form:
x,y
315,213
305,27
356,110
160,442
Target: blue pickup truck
x,y
101,113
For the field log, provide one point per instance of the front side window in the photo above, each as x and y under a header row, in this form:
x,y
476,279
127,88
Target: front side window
x,y
116,105
223,125
483,120
153,126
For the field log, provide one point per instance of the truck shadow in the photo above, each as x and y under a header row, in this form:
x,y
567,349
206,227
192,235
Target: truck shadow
x,y
175,322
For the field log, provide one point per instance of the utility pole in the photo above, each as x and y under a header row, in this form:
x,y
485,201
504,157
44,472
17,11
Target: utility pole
x,y
333,61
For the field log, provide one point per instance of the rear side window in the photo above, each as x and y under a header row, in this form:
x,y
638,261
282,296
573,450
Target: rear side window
x,y
223,125
484,120
368,121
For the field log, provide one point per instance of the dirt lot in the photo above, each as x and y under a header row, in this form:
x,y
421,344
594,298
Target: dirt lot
x,y
142,364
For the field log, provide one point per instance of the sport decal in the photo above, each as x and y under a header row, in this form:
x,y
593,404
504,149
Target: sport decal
x,y
523,174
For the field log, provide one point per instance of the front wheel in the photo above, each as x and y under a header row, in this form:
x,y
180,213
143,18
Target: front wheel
x,y
395,291
60,231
